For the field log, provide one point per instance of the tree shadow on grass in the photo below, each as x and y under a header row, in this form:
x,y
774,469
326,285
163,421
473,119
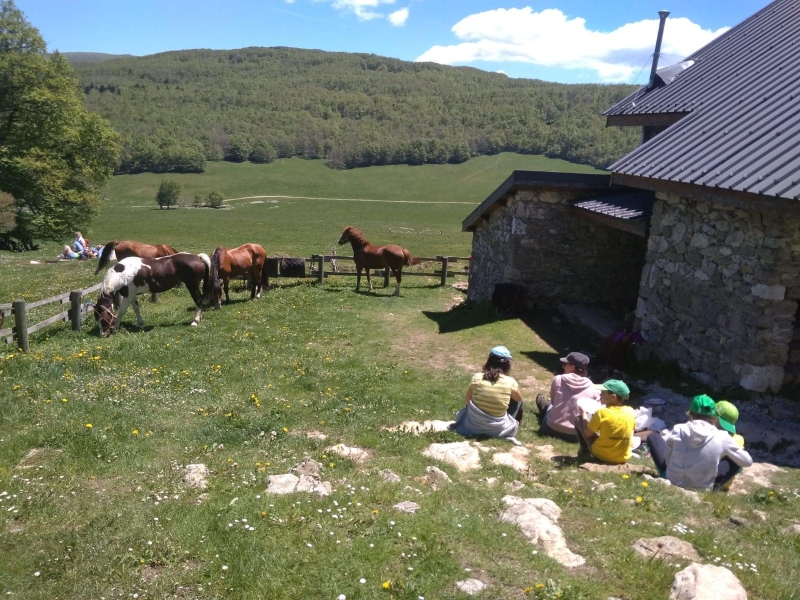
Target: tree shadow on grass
x,y
462,317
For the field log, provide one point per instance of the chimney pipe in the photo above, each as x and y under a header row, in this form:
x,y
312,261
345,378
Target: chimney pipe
x,y
662,14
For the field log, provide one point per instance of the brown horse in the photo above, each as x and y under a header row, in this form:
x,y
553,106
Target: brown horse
x,y
247,259
370,257
128,248
133,276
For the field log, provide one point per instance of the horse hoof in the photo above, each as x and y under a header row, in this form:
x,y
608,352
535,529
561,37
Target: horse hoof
x,y
194,323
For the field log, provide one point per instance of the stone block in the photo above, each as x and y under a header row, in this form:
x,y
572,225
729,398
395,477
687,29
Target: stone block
x,y
734,238
699,240
768,292
761,378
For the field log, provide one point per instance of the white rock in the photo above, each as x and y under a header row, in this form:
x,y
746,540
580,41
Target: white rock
x,y
196,476
761,379
604,486
793,529
436,477
406,506
537,518
471,586
354,453
282,484
768,292
516,458
665,547
756,475
706,582
388,476
415,427
462,455
313,485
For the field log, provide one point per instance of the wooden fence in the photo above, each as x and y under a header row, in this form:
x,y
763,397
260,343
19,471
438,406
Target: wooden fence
x,y
20,331
319,260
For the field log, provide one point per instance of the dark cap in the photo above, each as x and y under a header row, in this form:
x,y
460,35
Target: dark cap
x,y
576,359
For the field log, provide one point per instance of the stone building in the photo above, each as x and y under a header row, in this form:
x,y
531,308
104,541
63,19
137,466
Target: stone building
x,y
699,227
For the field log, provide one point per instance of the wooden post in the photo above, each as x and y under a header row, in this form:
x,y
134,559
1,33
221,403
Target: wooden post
x,y
75,315
321,269
386,277
21,325
445,261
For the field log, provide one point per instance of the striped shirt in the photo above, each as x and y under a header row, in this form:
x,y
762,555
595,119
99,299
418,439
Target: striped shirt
x,y
492,398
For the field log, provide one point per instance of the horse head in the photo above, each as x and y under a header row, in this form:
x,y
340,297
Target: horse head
x,y
104,313
345,237
216,284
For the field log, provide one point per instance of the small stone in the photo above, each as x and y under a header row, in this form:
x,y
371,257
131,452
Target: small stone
x,y
388,476
437,478
737,520
605,486
354,453
196,476
462,455
471,586
665,547
793,529
761,515
407,506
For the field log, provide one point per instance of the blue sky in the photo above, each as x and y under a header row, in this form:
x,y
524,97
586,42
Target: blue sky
x,y
556,40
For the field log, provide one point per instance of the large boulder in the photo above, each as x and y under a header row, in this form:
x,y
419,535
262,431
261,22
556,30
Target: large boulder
x,y
706,582
462,455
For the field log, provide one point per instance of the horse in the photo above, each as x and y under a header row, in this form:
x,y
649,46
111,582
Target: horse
x,y
127,248
133,276
370,257
247,259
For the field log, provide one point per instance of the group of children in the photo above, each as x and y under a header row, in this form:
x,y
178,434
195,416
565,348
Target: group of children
x,y
703,453
80,248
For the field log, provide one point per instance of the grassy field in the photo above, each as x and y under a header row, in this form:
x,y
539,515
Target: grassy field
x,y
101,512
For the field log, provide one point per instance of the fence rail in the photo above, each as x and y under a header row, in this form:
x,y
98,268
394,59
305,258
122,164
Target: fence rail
x,y
20,331
319,261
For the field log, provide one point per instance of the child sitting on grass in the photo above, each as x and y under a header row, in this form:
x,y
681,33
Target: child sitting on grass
x,y
607,435
697,455
727,415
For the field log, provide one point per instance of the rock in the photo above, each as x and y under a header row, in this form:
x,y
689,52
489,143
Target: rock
x,y
757,474
761,515
388,476
761,379
515,486
768,292
316,435
37,456
307,466
313,485
282,484
706,582
407,506
604,486
354,453
471,586
737,520
516,458
537,518
462,455
623,468
793,529
665,547
437,478
545,452
196,476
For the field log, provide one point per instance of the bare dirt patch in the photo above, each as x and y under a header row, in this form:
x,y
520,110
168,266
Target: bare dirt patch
x,y
430,350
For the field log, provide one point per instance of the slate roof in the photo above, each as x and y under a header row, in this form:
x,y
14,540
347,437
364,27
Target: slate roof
x,y
742,96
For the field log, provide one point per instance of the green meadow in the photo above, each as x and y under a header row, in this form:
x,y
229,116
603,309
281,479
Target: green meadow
x,y
99,509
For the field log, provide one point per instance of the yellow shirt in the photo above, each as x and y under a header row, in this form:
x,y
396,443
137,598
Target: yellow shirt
x,y
614,424
492,398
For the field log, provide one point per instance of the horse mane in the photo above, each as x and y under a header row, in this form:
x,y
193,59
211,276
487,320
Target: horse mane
x,y
356,236
105,255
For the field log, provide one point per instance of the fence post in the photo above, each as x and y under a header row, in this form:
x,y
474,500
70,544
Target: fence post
x,y
75,315
445,262
321,269
21,324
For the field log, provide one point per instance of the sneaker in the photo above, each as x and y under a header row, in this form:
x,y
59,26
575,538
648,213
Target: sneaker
x,y
541,404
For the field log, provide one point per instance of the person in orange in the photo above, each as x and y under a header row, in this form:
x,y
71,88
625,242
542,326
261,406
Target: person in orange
x,y
607,435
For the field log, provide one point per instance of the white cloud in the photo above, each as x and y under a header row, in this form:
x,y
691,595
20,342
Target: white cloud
x,y
365,10
399,17
549,38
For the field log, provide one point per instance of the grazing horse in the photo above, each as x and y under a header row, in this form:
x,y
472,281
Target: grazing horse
x,y
369,257
127,248
133,276
247,259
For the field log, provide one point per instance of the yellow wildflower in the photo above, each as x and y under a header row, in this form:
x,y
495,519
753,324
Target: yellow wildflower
x,y
626,476
88,426
386,585
644,484
638,498
135,432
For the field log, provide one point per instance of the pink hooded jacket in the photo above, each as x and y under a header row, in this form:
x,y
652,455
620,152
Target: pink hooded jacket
x,y
564,393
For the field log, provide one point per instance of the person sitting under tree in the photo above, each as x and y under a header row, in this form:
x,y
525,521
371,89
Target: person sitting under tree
x,y
607,435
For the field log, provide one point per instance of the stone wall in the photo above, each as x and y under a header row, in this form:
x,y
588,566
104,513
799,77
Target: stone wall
x,y
719,291
537,241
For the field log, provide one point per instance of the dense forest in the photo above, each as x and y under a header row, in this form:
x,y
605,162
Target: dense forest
x,y
178,109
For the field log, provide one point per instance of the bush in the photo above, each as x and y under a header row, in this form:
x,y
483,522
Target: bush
x,y
215,199
168,193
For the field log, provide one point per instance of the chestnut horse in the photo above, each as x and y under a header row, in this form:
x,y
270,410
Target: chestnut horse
x,y
247,259
370,257
127,248
133,276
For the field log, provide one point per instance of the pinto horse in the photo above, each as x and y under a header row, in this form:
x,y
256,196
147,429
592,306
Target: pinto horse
x,y
247,259
133,276
127,248
370,257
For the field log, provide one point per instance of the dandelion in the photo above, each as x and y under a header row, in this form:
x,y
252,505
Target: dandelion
x,y
539,586
644,484
626,476
64,400
638,498
135,432
88,426
330,465
386,585
375,511
285,430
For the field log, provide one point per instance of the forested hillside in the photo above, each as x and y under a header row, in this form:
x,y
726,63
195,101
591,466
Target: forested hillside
x,y
178,109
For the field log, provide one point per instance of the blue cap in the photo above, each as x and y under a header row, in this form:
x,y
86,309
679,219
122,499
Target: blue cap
x,y
501,351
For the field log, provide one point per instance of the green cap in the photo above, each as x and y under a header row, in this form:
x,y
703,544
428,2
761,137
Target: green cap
x,y
728,415
615,386
703,406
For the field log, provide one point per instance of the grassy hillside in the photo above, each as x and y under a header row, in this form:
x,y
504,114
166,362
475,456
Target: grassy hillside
x,y
175,108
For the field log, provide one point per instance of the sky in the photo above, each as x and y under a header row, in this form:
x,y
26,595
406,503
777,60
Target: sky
x,y
570,41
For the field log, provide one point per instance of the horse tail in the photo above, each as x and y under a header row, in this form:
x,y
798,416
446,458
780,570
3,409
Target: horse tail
x,y
105,256
265,273
410,261
209,277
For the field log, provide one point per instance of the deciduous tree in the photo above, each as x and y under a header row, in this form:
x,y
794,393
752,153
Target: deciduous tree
x,y
168,193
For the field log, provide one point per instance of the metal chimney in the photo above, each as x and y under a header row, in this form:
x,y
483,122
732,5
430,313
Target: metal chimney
x,y
662,14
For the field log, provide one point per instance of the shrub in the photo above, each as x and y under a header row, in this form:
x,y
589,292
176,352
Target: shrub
x,y
215,199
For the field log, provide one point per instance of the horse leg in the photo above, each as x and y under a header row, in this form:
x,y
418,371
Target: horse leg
x,y
358,276
398,275
139,320
123,306
254,292
225,285
369,277
198,300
